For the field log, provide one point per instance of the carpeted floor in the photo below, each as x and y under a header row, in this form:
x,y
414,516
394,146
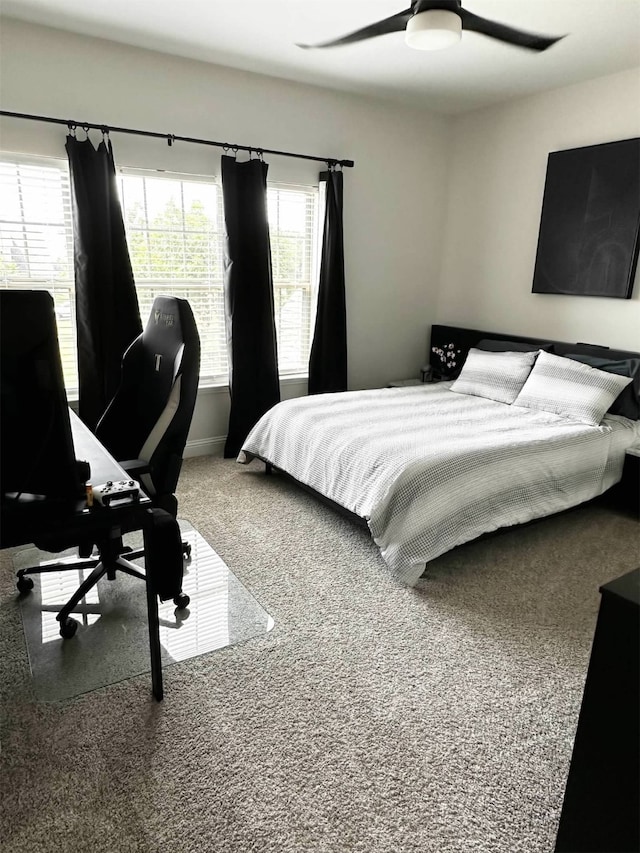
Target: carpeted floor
x,y
372,718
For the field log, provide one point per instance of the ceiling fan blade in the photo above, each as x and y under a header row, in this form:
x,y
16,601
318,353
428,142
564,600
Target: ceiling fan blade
x,y
393,24
533,41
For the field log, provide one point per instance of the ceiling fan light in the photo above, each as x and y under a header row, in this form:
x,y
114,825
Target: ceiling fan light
x,y
434,29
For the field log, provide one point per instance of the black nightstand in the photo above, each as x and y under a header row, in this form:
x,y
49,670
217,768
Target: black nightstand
x,y
631,479
625,495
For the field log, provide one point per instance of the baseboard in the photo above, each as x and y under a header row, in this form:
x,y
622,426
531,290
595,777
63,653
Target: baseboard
x,y
205,447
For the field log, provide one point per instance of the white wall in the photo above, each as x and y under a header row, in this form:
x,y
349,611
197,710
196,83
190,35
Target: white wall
x,y
441,215
498,170
394,197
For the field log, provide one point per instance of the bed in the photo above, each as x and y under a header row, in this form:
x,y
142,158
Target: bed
x,y
514,431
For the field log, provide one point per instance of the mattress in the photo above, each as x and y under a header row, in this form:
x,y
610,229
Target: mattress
x,y
430,469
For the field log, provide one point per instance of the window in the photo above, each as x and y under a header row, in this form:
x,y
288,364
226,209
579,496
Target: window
x,y
175,236
36,242
175,233
293,229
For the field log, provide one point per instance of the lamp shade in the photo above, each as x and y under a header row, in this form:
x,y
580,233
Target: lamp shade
x,y
434,29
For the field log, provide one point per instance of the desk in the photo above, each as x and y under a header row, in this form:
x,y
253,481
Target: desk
x,y
62,525
26,518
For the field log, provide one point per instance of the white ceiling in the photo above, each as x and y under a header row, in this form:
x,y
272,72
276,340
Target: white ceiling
x,y
603,37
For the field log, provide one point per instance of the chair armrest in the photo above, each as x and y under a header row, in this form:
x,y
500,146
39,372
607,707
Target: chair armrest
x,y
135,467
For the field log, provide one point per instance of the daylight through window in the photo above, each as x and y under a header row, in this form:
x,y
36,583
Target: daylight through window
x,y
175,233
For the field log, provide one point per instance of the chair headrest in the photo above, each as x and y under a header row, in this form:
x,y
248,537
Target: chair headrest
x,y
163,333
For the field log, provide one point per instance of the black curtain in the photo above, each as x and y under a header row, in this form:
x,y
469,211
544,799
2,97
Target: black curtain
x,y
248,287
107,313
328,359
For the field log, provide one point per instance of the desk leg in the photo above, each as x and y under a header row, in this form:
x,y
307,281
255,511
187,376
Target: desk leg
x,y
152,614
154,641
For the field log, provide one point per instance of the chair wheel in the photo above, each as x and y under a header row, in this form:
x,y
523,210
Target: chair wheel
x,y
24,584
68,628
181,601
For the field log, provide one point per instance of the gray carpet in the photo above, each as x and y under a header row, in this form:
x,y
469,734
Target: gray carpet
x,y
372,718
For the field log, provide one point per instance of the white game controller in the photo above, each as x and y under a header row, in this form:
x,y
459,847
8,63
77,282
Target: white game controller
x,y
121,490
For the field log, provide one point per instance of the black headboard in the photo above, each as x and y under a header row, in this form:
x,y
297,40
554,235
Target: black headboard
x,y
464,339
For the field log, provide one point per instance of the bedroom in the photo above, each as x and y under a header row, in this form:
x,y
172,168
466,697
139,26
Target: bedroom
x,y
453,242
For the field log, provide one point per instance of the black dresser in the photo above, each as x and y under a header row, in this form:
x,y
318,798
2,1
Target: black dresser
x,y
601,810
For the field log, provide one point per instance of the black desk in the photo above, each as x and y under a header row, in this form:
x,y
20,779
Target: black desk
x,y
64,524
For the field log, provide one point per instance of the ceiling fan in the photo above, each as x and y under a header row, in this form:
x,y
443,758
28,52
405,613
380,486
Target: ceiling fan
x,y
436,24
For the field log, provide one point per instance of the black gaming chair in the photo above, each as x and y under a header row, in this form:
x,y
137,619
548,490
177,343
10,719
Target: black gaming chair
x,y
145,428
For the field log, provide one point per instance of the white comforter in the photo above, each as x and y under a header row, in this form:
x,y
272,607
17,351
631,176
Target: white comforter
x,y
430,469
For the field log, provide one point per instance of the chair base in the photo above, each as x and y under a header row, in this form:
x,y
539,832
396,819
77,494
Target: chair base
x,y
109,561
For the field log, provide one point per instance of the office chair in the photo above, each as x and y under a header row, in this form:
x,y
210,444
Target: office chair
x,y
145,429
145,426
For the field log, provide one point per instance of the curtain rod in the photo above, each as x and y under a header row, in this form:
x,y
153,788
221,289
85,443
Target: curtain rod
x,y
171,138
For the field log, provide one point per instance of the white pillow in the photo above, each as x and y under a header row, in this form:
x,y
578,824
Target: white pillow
x,y
571,389
496,375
